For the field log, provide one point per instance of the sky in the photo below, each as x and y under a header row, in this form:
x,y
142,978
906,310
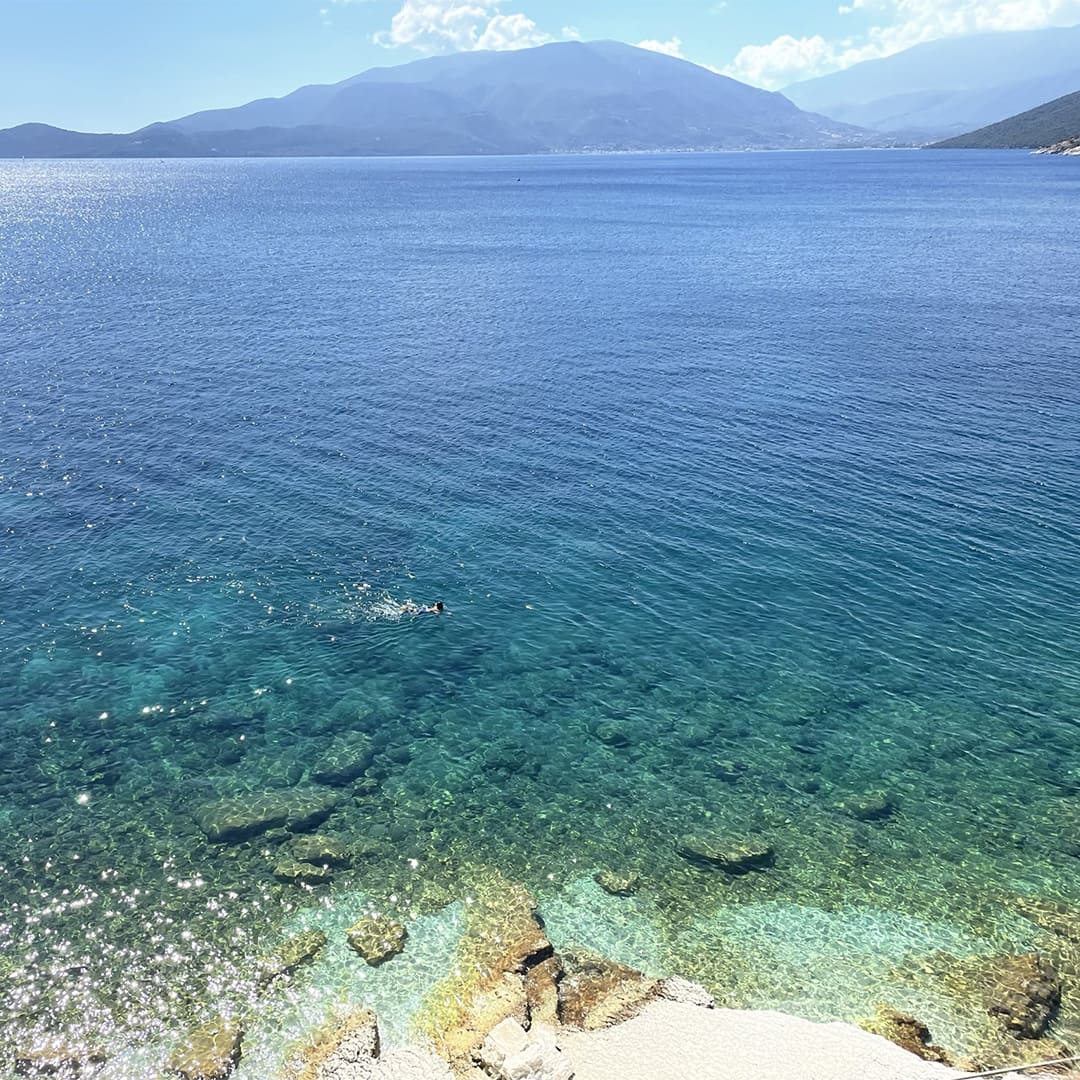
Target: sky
x,y
116,65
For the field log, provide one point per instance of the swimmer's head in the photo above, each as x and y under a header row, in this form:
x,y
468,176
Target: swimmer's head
x,y
438,605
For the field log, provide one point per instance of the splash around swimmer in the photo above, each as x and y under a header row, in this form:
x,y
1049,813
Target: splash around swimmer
x,y
411,608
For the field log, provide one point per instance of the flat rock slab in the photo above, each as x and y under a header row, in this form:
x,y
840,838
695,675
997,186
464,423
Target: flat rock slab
x,y
231,821
671,1040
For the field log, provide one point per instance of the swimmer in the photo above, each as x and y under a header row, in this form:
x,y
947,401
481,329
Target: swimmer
x,y
409,608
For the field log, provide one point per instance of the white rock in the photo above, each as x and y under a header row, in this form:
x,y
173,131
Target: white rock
x,y
511,1053
688,993
504,1041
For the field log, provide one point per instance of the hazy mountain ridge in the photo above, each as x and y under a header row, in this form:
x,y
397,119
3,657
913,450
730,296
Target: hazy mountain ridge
x,y
567,96
950,86
1055,122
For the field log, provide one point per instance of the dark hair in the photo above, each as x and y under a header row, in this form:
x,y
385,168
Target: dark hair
x,y
438,605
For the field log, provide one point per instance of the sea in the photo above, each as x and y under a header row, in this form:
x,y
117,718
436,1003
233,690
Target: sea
x,y
750,484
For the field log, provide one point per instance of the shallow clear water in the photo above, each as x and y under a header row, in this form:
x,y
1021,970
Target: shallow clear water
x,y
770,461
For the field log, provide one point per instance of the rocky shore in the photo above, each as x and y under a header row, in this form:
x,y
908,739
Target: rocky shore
x,y
1066,146
513,1007
509,998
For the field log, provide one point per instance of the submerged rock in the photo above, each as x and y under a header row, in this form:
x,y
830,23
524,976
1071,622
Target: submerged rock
x,y
295,872
732,855
611,733
595,993
231,821
1025,993
376,938
728,769
320,849
868,806
906,1031
231,750
210,1052
344,760
53,1057
1018,992
617,884
341,1049
291,954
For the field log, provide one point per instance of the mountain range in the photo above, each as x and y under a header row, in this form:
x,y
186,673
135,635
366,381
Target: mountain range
x,y
565,96
949,86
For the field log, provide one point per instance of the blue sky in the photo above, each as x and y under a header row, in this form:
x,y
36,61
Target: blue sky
x,y
119,64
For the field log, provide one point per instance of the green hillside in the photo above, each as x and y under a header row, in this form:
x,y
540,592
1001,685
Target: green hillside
x,y
1045,124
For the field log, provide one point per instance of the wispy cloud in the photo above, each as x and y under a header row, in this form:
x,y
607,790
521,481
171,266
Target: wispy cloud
x,y
899,25
460,26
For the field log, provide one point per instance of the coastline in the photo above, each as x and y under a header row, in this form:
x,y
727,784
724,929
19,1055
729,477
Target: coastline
x,y
494,999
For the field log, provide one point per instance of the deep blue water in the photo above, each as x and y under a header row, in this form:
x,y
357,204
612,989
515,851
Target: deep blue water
x,y
770,461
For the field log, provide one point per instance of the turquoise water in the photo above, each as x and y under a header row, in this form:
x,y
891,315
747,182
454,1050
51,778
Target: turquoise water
x,y
750,484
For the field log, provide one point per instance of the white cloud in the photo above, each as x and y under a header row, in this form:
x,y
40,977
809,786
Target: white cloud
x,y
671,47
783,60
901,24
511,32
460,26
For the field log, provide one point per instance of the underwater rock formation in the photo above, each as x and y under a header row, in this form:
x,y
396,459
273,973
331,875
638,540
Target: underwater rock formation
x,y
906,1031
344,760
1017,994
376,938
867,806
231,821
616,883
611,733
734,855
291,954
54,1058
320,849
1026,991
209,1052
295,872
